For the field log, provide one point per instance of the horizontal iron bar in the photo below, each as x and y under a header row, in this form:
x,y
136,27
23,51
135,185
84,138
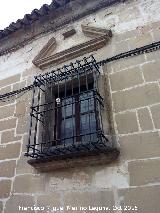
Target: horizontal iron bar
x,y
78,148
54,141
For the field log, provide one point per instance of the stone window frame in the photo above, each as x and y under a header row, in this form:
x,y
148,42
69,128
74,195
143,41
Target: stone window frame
x,y
43,60
49,164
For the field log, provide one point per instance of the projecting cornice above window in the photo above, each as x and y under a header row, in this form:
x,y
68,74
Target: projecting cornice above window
x,y
46,57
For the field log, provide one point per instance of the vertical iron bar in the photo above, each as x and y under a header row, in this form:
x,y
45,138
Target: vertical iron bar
x,y
95,72
65,94
79,83
72,76
86,75
96,114
72,103
44,124
77,114
47,100
37,115
95,75
89,120
58,81
100,109
31,121
52,126
58,140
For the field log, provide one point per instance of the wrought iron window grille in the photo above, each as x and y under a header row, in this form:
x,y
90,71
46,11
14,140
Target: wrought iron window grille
x,y
66,113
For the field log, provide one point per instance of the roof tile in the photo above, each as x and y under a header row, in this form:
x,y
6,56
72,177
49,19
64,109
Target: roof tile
x,y
35,15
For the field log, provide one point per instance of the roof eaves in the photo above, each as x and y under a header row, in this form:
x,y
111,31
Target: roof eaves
x,y
35,15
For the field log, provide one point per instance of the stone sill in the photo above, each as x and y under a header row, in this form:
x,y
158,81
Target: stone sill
x,y
86,159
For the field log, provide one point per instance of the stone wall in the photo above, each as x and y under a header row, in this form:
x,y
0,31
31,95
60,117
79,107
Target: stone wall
x,y
134,179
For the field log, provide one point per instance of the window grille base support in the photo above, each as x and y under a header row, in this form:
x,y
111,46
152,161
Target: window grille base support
x,y
86,159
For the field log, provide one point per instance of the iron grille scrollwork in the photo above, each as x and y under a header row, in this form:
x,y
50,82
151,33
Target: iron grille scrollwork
x,y
66,111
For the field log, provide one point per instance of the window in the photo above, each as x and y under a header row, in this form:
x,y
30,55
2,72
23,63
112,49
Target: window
x,y
66,116
75,117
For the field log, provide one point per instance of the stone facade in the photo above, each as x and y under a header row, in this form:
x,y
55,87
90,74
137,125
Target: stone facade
x,y
133,180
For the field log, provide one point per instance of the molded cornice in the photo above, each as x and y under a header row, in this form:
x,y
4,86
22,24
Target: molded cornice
x,y
46,57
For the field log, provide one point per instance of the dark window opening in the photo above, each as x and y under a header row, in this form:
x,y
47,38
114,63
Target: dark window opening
x,y
75,117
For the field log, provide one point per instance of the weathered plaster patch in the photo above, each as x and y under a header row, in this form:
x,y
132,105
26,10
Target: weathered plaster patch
x,y
110,177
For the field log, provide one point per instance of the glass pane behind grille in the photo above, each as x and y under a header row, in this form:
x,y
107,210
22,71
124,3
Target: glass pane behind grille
x,y
87,117
87,102
88,128
68,120
68,107
68,130
78,122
